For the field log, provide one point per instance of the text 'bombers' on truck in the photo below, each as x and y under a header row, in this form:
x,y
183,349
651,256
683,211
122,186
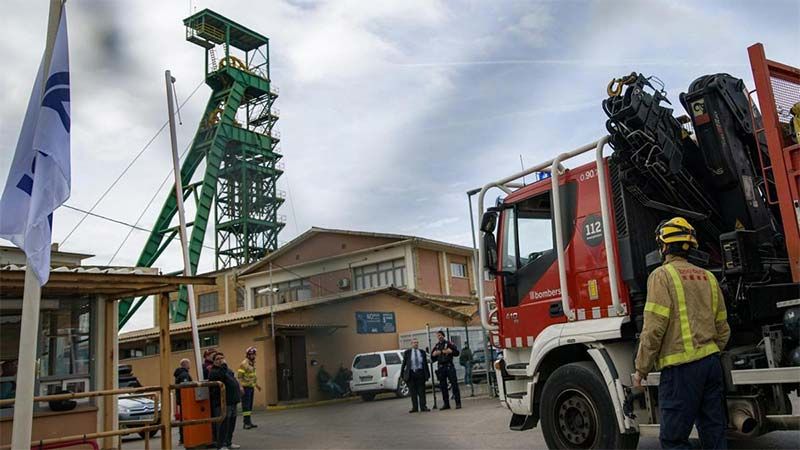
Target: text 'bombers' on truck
x,y
571,254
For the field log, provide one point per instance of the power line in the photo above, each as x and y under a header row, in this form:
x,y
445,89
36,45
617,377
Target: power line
x,y
136,158
301,277
118,222
138,228
291,204
152,199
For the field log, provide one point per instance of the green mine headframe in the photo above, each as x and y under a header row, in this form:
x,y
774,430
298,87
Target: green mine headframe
x,y
236,139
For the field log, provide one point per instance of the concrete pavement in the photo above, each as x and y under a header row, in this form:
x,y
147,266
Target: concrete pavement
x,y
386,423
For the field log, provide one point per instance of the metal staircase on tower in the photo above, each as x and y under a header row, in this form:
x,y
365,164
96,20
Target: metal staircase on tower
x,y
237,141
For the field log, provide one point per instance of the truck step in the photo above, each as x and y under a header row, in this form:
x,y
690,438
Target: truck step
x,y
517,369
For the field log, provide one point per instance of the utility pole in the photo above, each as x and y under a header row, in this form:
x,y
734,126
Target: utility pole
x,y
430,351
187,268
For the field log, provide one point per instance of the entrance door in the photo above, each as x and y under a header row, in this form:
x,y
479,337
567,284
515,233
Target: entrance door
x,y
292,377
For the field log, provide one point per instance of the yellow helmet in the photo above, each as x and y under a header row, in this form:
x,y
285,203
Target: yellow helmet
x,y
675,231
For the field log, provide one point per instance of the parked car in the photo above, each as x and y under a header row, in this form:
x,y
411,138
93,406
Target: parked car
x,y
135,411
479,364
378,372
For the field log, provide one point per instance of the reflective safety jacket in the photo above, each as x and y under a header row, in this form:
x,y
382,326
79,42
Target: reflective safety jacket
x,y
247,374
684,318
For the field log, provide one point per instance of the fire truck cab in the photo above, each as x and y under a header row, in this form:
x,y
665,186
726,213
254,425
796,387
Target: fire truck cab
x,y
571,254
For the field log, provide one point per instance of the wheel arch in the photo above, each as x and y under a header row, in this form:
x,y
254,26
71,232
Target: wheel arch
x,y
595,354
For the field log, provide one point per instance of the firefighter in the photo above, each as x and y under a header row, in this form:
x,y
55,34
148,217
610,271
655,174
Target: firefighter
x,y
685,328
249,381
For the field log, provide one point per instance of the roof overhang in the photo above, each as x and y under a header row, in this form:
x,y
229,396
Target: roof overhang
x,y
243,317
112,284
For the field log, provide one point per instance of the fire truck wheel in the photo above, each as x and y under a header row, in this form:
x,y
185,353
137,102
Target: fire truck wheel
x,y
577,412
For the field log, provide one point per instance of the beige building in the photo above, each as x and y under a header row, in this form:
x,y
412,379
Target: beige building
x,y
335,293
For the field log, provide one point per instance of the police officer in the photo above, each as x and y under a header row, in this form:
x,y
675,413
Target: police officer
x,y
443,353
249,381
685,328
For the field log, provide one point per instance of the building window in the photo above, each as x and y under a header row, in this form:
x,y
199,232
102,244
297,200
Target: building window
x,y
388,273
239,298
127,353
207,339
286,292
458,270
208,302
65,346
487,276
210,339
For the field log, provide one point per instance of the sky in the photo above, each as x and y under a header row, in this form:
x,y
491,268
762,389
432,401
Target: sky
x,y
389,110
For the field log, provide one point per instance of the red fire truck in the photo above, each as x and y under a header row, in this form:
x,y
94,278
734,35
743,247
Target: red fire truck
x,y
571,254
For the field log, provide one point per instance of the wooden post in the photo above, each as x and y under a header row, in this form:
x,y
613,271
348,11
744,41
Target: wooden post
x,y
165,348
110,374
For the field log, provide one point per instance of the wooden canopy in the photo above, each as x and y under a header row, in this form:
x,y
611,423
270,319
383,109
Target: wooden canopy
x,y
112,285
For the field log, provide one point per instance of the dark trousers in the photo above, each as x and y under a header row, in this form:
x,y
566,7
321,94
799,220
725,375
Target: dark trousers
x,y
693,394
215,412
226,427
247,404
447,373
416,384
179,416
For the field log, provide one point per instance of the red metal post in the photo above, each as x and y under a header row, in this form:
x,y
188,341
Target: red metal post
x,y
784,156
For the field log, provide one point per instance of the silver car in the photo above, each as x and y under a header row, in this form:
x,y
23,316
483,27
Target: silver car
x,y
136,411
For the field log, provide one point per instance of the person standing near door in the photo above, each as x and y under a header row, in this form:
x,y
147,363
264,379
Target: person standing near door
x,y
443,353
249,381
415,373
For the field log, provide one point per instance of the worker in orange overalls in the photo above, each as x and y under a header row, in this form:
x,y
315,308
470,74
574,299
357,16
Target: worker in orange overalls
x,y
249,381
685,328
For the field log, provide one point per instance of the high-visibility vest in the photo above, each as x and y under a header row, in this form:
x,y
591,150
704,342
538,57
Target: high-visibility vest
x,y
689,352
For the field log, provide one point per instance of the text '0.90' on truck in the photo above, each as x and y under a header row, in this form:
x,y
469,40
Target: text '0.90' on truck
x,y
571,254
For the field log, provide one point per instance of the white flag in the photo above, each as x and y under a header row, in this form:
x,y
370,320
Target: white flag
x,y
39,179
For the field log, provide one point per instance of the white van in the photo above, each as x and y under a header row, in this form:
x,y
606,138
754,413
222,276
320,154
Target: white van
x,y
378,372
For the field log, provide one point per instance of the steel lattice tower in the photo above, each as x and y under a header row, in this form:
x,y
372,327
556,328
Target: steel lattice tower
x,y
237,141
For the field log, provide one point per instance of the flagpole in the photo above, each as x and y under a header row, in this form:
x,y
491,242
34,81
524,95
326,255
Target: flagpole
x,y
31,298
198,361
26,363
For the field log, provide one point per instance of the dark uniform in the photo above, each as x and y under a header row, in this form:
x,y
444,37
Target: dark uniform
x,y
446,371
181,376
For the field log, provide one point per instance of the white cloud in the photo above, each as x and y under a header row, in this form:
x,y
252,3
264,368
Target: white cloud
x,y
390,110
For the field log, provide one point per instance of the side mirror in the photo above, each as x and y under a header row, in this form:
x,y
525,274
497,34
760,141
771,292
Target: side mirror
x,y
490,252
489,221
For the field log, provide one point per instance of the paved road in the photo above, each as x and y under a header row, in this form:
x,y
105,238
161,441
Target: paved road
x,y
386,423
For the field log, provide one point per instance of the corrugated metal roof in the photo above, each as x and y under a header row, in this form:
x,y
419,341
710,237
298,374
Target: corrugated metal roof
x,y
112,282
90,269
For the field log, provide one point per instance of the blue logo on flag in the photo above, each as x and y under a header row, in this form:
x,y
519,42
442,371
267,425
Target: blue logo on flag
x,y
56,93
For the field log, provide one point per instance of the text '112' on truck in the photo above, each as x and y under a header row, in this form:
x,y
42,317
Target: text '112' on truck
x,y
571,254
